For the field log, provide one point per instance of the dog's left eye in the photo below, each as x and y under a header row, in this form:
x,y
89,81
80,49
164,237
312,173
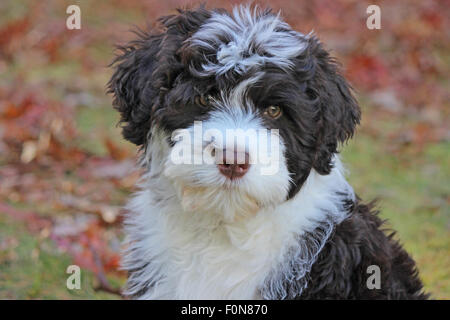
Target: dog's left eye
x,y
203,101
273,112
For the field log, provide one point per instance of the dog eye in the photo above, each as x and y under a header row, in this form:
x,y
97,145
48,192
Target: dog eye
x,y
273,112
203,101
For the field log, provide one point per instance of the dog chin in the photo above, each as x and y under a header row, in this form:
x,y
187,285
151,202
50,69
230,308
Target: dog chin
x,y
228,203
226,199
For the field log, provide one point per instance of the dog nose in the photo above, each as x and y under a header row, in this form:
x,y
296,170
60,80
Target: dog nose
x,y
235,165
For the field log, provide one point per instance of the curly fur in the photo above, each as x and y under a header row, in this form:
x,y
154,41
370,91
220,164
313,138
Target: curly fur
x,y
340,271
301,234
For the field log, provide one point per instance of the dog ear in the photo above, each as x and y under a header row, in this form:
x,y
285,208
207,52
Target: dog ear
x,y
145,69
339,112
132,85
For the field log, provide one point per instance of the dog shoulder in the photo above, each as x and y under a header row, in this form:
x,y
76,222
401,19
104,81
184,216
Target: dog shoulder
x,y
360,244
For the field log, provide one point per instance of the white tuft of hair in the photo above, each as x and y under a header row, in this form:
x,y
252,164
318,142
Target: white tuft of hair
x,y
247,38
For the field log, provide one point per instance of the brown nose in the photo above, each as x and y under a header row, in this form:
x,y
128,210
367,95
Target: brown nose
x,y
234,165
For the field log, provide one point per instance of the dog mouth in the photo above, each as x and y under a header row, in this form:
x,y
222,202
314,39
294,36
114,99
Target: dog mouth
x,y
228,202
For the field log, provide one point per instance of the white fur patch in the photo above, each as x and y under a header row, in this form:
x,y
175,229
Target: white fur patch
x,y
246,39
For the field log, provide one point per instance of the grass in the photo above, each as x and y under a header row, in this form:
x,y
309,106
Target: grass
x,y
95,124
412,195
32,268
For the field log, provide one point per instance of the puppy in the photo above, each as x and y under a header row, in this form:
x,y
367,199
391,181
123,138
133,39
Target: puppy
x,y
263,212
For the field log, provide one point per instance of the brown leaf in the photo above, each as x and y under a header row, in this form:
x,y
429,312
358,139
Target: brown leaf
x,y
114,150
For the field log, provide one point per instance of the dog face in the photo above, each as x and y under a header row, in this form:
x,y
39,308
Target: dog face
x,y
247,72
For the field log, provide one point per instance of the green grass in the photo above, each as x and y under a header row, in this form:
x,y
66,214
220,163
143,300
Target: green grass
x,y
412,195
32,268
95,124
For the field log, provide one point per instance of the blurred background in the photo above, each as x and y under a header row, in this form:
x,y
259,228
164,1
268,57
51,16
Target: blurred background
x,y
65,171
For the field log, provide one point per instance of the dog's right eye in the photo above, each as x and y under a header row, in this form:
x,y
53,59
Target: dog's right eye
x,y
202,100
273,111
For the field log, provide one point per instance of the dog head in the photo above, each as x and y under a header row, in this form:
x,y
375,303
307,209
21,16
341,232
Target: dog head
x,y
249,72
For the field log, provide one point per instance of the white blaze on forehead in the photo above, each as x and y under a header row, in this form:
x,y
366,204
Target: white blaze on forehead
x,y
252,39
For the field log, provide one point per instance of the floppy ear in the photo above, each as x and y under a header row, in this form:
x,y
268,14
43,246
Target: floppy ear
x,y
145,69
132,85
339,112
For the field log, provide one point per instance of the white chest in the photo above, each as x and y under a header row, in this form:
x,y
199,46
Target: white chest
x,y
183,255
222,261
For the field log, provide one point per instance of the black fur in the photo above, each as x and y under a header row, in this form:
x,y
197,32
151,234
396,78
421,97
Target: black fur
x,y
145,72
155,83
340,271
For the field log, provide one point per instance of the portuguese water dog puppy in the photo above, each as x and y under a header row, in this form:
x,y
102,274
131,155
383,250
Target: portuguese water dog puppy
x,y
239,118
